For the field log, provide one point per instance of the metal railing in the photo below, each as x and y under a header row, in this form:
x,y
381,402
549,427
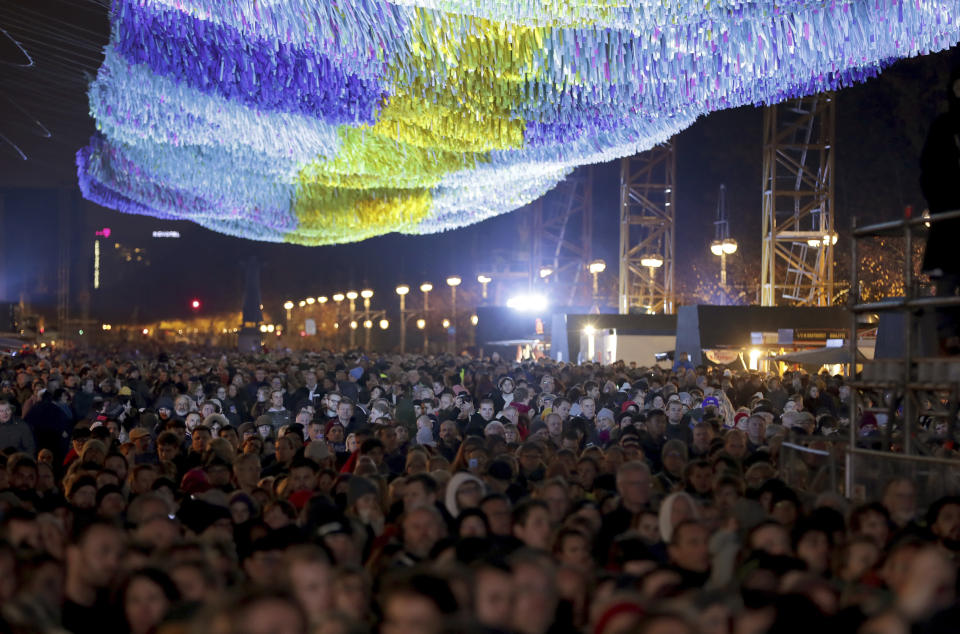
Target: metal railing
x,y
899,376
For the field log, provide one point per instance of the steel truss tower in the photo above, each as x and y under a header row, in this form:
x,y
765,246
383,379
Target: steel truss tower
x,y
647,230
562,223
798,207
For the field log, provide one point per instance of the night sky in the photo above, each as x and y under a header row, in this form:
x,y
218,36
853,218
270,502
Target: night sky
x,y
881,126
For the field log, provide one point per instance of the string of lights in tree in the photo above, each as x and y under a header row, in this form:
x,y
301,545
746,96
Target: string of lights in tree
x,y
314,122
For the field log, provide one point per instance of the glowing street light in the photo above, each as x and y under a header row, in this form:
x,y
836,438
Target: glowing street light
x,y
288,305
484,280
384,324
545,272
302,303
322,299
829,239
352,297
453,282
445,323
474,320
402,291
311,301
652,261
421,323
366,294
425,288
596,268
338,297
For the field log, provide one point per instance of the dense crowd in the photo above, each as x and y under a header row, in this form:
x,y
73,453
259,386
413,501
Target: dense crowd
x,y
193,490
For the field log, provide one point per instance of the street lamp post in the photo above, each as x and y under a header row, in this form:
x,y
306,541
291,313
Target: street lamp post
x,y
402,291
425,288
723,248
366,294
337,298
722,245
596,268
453,282
352,297
653,262
484,280
288,306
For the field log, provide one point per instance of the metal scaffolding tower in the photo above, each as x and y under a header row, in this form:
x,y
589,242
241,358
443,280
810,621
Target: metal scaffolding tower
x,y
562,224
647,223
798,208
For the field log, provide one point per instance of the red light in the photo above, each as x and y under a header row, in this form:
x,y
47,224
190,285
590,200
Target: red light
x,y
195,304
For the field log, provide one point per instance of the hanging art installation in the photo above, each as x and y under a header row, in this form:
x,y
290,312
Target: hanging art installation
x,y
321,122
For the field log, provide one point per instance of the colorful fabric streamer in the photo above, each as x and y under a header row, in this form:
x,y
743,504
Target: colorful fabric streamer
x,y
318,122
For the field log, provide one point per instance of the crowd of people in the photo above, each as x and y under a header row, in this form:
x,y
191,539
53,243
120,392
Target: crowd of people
x,y
194,490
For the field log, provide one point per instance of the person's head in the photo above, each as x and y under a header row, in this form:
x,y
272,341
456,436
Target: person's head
x,y
689,546
588,407
303,475
557,496
246,471
535,592
529,455
94,556
675,509
200,438
554,424
755,429
860,554
418,603
812,545
82,493
419,490
168,446
900,500
344,411
23,472
674,412
310,577
422,528
771,538
493,595
147,595
656,423
497,508
735,444
285,448
943,518
262,611
634,485
572,548
448,432
698,476
486,409
335,433
531,524
674,457
6,411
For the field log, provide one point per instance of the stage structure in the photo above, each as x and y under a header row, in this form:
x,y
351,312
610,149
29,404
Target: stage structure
x,y
647,230
798,204
562,238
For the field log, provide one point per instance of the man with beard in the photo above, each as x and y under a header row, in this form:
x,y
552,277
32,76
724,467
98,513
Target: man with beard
x,y
943,519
